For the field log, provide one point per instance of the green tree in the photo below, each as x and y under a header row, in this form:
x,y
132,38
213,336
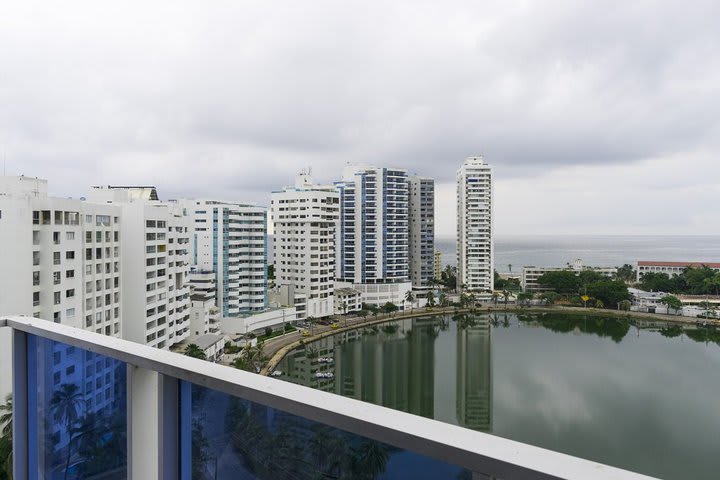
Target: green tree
x,y
194,351
443,300
657,282
586,277
6,433
362,313
599,304
472,300
671,302
410,298
712,284
699,280
625,305
562,281
549,297
271,272
430,299
389,308
506,296
626,273
610,292
65,405
495,297
524,298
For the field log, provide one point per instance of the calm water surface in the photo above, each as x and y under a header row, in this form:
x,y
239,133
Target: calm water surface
x,y
639,398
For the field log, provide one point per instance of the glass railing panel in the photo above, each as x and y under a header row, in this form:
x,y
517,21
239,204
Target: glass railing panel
x,y
77,412
232,438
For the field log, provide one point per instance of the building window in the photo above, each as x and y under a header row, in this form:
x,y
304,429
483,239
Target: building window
x,y
56,278
56,298
36,278
70,274
70,255
56,258
69,313
70,293
36,217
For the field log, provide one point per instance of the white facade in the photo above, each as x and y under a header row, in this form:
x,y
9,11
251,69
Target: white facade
x,y
62,261
230,239
156,262
305,219
373,232
475,246
347,300
380,293
672,269
204,313
422,230
272,317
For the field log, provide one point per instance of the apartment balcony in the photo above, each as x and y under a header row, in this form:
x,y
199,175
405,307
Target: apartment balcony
x,y
159,414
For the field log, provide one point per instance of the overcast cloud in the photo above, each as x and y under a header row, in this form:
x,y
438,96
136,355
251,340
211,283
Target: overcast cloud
x,y
597,116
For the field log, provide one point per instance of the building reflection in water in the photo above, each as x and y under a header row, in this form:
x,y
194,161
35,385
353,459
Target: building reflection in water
x,y
474,373
394,365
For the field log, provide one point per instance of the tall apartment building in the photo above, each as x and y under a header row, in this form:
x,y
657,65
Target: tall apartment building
x,y
230,239
155,239
422,230
373,233
305,219
475,226
62,261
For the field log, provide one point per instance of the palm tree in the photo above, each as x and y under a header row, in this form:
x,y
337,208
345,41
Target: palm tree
x,y
311,321
6,434
472,300
442,299
410,298
194,351
430,299
6,416
495,296
65,405
506,294
373,459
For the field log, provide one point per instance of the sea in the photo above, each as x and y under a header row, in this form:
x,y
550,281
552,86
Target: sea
x,y
512,252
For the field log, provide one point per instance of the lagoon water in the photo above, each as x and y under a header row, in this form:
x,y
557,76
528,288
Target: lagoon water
x,y
643,399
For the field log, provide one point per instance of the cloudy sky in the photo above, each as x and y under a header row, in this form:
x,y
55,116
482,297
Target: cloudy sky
x,y
599,117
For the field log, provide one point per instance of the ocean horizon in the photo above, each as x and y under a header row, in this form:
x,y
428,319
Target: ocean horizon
x,y
518,251
596,250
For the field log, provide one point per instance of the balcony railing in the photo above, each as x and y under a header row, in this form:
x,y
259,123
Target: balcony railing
x,y
92,406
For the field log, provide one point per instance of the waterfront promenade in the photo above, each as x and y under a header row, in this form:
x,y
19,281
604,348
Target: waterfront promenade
x,y
276,348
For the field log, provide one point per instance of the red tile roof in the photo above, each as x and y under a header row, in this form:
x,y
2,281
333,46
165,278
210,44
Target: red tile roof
x,y
678,264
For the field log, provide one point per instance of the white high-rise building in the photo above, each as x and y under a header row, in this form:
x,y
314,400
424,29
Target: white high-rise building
x,y
230,239
422,230
62,261
155,239
475,267
305,220
373,243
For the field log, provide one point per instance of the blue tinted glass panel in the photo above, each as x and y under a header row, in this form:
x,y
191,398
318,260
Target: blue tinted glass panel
x,y
232,438
78,408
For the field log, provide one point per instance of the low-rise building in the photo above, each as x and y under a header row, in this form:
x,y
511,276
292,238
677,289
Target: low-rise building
x,y
531,274
256,323
347,300
672,269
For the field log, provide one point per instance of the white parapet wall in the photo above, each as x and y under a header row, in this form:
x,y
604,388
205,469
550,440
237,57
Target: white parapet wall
x,y
257,322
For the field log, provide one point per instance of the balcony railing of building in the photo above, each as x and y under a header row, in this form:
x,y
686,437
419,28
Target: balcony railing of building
x,y
92,406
